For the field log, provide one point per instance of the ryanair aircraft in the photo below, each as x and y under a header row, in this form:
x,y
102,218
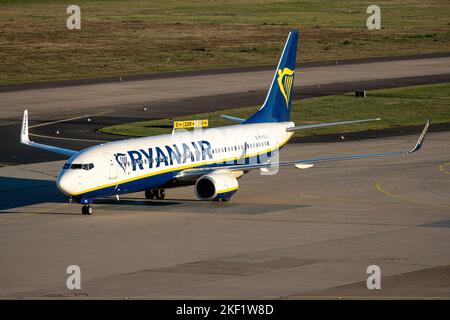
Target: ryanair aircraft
x,y
211,159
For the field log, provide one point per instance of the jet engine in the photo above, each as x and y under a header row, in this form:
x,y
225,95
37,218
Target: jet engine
x,y
216,186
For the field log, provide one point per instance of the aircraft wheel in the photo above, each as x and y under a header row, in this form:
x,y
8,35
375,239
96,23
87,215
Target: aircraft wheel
x,y
225,199
149,194
87,210
160,194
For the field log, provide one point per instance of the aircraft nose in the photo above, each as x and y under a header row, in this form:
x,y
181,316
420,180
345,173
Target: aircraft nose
x,y
66,184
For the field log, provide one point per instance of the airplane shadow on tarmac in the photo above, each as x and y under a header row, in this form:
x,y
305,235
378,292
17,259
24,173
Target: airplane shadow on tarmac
x,y
193,206
21,192
132,201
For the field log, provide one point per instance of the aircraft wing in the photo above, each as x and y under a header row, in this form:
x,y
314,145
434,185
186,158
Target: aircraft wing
x,y
303,163
25,140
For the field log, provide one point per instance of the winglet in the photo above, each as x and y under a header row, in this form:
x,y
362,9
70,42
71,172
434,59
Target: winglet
x,y
26,140
421,137
24,133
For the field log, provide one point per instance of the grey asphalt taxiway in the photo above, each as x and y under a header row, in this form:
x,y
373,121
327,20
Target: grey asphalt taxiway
x,y
109,101
297,234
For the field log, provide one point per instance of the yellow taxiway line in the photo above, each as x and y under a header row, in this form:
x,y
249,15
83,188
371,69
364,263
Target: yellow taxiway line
x,y
379,187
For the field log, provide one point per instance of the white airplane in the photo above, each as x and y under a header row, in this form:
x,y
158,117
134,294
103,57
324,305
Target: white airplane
x,y
212,159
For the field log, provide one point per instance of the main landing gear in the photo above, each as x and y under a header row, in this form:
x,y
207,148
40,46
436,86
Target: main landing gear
x,y
87,210
158,194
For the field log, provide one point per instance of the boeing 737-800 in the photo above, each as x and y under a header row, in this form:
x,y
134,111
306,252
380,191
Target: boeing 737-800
x,y
211,159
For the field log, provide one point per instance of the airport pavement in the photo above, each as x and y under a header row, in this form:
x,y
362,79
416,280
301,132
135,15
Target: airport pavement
x,y
170,95
73,100
297,234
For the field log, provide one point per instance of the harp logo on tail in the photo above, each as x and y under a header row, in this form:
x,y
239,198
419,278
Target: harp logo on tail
x,y
285,81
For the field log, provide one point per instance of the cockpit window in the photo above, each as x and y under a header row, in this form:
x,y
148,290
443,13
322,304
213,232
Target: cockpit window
x,y
84,166
88,166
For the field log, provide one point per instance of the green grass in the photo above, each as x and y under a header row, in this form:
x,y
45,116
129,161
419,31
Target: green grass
x,y
142,36
399,107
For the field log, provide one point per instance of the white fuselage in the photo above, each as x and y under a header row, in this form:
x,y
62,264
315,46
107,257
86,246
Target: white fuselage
x,y
126,165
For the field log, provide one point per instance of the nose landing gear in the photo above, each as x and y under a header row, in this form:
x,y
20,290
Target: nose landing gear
x,y
87,206
87,210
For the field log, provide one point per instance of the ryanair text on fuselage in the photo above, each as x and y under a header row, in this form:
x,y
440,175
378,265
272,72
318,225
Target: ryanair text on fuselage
x,y
154,157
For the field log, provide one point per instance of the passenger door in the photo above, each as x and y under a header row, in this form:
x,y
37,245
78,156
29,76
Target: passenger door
x,y
112,166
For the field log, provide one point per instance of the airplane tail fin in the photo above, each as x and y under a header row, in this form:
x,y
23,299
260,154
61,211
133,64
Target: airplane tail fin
x,y
277,106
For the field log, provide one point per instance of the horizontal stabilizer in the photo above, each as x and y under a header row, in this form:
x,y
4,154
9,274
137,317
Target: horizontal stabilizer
x,y
321,125
234,119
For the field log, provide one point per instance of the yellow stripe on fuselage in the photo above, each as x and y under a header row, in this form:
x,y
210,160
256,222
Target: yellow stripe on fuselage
x,y
192,165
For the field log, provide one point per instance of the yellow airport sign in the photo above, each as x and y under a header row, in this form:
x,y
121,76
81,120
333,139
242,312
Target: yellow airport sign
x,y
190,124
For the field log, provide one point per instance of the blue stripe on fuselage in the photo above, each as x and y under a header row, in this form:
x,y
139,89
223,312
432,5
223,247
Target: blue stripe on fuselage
x,y
159,180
